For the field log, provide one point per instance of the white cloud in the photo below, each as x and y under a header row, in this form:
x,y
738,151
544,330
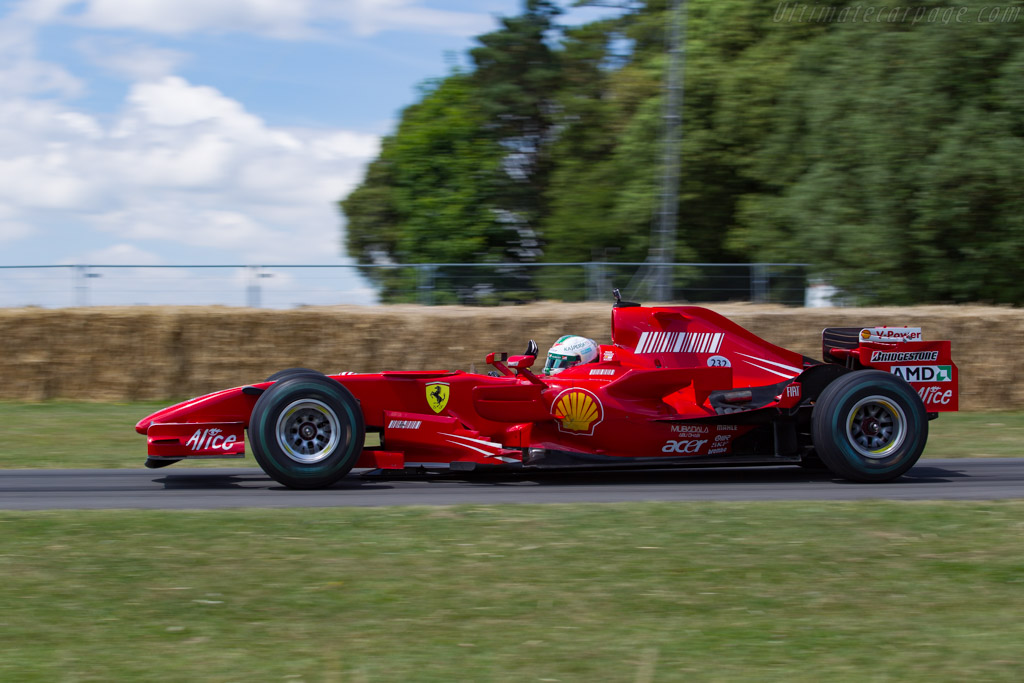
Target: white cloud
x,y
286,19
28,76
12,228
43,181
117,255
345,145
202,162
282,18
131,60
77,123
21,73
39,11
184,166
172,102
178,171
233,232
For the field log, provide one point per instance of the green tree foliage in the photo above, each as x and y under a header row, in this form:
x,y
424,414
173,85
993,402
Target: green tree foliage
x,y
516,77
887,151
895,159
430,195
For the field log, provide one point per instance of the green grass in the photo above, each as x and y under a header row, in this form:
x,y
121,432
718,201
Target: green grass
x,y
976,435
644,592
61,434
65,434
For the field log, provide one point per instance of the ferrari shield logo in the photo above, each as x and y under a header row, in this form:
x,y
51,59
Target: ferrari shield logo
x,y
437,396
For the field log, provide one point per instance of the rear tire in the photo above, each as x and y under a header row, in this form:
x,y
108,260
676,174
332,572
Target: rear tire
x,y
306,431
869,426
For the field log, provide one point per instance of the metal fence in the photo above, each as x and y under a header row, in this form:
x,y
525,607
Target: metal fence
x,y
290,286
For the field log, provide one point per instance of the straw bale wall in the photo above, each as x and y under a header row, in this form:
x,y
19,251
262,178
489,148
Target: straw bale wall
x,y
126,354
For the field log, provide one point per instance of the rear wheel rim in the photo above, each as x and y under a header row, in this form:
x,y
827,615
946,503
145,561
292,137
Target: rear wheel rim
x,y
308,431
876,427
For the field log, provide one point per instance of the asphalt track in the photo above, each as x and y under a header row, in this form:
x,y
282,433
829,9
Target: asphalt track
x,y
201,489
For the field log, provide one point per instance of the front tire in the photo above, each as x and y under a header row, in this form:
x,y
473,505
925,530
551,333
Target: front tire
x,y
869,426
306,431
291,372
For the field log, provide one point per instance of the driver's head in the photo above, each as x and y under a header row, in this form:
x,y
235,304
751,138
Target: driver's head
x,y
568,351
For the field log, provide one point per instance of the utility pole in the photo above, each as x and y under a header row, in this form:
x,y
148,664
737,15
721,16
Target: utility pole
x,y
663,237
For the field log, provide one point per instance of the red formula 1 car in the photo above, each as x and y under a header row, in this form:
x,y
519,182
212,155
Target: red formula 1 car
x,y
678,386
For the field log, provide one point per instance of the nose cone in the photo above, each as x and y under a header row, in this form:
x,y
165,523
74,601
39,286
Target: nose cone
x,y
229,405
173,413
142,427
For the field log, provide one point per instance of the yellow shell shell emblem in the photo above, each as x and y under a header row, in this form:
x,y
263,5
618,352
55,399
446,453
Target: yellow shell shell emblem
x,y
577,411
437,395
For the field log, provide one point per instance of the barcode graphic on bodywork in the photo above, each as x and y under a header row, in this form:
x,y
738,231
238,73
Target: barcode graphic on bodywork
x,y
679,342
405,424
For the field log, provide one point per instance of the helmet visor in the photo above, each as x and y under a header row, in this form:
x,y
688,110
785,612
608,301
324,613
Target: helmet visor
x,y
557,362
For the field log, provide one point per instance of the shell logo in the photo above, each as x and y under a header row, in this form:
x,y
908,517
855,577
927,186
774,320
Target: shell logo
x,y
577,411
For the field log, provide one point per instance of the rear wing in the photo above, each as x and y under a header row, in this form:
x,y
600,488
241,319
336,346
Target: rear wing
x,y
927,365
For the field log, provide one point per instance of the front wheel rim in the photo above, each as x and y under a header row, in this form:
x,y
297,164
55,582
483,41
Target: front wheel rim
x,y
308,431
876,427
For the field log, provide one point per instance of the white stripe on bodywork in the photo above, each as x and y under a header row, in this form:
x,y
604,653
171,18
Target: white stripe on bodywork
x,y
679,342
472,448
643,340
479,441
767,369
796,371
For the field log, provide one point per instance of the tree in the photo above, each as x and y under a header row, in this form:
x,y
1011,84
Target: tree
x,y
891,165
429,196
887,152
516,78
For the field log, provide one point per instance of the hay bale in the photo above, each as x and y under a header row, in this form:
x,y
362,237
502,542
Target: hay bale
x,y
135,353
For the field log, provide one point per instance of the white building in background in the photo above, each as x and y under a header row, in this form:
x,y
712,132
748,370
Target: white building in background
x,y
820,294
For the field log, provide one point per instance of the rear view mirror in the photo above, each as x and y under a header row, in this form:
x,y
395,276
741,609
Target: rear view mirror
x,y
521,362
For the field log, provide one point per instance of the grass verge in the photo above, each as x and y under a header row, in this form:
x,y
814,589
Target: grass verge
x,y
644,592
60,434
73,434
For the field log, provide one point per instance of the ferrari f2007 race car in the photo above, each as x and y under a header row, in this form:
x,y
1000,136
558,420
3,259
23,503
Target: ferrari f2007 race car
x,y
678,386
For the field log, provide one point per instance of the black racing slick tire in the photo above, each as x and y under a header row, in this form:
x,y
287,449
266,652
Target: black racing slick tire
x,y
306,431
281,374
869,426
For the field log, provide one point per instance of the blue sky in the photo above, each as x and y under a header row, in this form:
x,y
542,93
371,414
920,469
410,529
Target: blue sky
x,y
162,132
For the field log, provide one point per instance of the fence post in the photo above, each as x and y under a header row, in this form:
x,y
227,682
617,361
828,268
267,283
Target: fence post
x,y
81,277
595,280
252,298
81,287
758,283
425,283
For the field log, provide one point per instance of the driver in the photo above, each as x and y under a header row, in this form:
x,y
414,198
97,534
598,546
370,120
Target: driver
x,y
568,352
